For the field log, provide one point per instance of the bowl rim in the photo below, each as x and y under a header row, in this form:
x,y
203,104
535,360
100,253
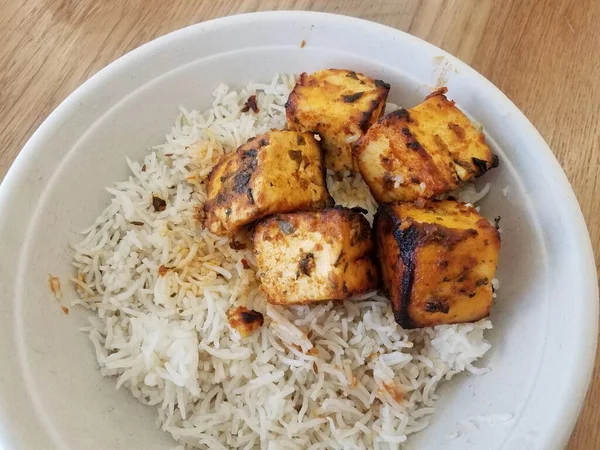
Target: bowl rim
x,y
560,421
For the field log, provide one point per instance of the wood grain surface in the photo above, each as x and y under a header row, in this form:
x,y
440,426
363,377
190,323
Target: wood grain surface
x,y
543,54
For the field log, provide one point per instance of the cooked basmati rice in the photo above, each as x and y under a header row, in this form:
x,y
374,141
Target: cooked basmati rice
x,y
161,285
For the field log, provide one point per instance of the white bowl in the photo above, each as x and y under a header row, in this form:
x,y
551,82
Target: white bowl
x,y
544,338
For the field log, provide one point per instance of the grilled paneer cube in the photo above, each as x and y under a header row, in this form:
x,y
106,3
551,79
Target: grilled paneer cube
x,y
315,256
441,127
245,321
339,105
422,152
276,172
395,165
437,262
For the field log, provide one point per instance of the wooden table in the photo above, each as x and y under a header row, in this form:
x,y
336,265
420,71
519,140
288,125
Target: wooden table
x,y
543,54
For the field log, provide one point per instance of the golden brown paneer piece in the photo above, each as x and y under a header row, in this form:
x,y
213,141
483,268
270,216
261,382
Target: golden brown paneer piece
x,y
422,152
276,172
339,105
315,256
438,125
395,165
437,262
245,321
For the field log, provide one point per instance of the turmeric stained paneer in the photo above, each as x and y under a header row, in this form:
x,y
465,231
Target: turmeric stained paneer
x,y
422,152
339,105
441,127
315,256
277,172
396,166
437,262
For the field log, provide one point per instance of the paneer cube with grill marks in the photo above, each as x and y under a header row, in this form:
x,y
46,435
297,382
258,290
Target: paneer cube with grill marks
x,y
396,166
423,152
277,172
339,105
437,262
315,256
440,126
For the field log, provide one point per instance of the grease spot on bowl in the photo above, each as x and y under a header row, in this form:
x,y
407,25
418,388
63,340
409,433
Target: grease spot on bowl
x,y
442,69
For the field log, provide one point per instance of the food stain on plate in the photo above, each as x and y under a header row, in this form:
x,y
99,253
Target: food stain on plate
x,y
443,70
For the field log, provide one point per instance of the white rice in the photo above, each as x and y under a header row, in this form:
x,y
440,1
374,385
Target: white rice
x,y
369,384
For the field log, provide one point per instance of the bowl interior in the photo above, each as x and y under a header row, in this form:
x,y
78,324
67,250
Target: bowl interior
x,y
131,106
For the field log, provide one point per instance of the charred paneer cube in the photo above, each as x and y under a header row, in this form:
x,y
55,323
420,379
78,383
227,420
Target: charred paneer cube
x,y
437,262
339,105
245,321
315,256
422,152
277,172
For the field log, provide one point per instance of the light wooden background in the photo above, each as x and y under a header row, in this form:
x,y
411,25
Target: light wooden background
x,y
544,54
